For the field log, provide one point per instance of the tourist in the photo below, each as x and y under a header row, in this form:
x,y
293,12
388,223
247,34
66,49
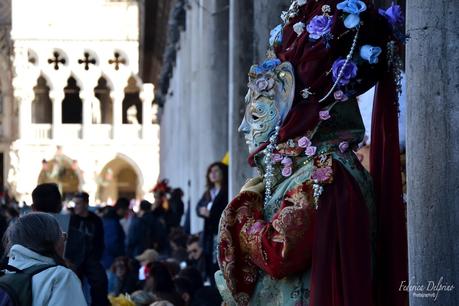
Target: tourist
x,y
91,268
36,239
210,207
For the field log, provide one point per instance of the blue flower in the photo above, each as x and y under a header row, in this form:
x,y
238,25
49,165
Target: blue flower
x,y
354,8
351,21
275,36
393,14
370,53
267,65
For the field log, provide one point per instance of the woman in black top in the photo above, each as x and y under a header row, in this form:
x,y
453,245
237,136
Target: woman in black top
x,y
210,207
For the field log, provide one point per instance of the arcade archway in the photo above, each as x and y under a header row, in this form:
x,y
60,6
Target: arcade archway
x,y
117,179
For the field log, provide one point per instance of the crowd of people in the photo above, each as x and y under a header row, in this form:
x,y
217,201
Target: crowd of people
x,y
115,255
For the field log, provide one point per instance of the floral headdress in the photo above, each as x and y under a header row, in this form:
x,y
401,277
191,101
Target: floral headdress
x,y
360,43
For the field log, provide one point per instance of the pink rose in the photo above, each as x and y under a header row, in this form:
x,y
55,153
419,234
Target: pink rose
x,y
304,142
287,161
340,96
322,174
262,84
324,115
277,157
310,151
343,146
286,171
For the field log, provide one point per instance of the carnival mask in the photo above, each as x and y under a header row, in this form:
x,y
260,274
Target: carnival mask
x,y
268,100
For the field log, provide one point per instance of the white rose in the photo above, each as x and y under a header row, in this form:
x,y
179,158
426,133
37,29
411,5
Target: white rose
x,y
301,2
299,28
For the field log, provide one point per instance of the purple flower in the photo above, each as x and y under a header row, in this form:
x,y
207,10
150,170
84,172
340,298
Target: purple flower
x,y
322,174
319,26
310,151
304,142
350,71
343,146
286,171
277,158
324,115
340,96
287,161
263,84
393,14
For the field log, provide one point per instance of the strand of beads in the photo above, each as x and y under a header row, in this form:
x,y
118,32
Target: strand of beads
x,y
269,175
317,191
341,72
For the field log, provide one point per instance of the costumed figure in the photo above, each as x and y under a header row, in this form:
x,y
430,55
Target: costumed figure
x,y
315,228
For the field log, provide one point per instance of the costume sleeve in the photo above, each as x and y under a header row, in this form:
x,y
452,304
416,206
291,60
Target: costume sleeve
x,y
279,247
282,246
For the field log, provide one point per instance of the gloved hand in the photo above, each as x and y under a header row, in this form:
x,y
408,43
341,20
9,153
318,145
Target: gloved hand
x,y
254,185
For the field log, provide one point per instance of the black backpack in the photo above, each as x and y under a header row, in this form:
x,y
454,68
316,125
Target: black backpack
x,y
16,288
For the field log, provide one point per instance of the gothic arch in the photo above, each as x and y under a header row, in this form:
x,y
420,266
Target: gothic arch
x,y
103,110
72,106
132,105
120,177
42,106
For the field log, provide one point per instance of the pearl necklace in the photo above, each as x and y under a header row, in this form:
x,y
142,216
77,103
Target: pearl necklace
x,y
269,164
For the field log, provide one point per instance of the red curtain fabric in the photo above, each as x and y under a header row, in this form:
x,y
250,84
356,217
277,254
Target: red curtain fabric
x,y
385,168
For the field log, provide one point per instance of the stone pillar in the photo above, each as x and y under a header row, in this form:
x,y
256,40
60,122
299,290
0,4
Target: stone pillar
x,y
87,96
432,61
216,62
25,117
240,59
57,96
147,97
117,96
267,16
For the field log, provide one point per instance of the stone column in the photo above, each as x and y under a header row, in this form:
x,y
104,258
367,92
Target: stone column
x,y
240,59
25,116
117,97
87,96
432,61
57,96
147,97
267,16
216,63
